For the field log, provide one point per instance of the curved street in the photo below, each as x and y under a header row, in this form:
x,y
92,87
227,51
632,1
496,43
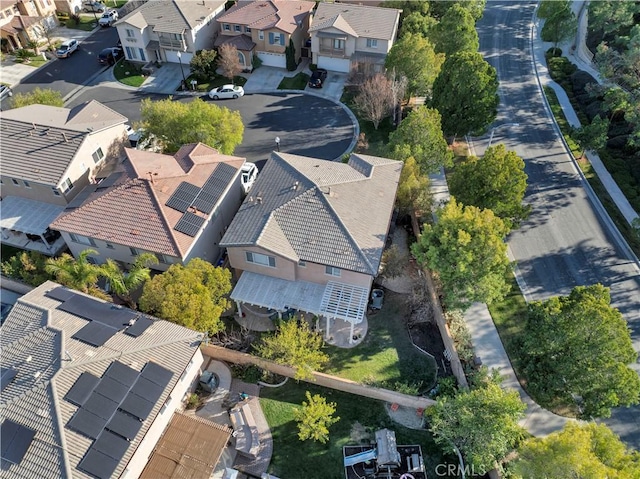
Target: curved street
x,y
568,240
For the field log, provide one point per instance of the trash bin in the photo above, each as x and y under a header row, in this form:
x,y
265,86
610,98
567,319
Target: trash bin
x,y
377,296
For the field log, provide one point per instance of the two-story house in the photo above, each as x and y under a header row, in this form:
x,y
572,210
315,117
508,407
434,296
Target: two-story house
x,y
347,37
169,30
23,21
265,28
49,155
310,235
176,207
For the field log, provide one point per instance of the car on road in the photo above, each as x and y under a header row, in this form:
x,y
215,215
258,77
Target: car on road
x,y
108,18
318,78
93,7
5,92
249,173
226,91
110,56
67,48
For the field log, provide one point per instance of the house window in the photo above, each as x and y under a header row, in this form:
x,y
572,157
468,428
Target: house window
x,y
129,33
331,271
276,39
372,43
142,57
55,191
261,35
227,27
134,251
15,182
131,53
91,260
338,44
247,30
302,264
162,259
8,12
97,155
236,28
67,185
261,259
26,184
109,245
82,239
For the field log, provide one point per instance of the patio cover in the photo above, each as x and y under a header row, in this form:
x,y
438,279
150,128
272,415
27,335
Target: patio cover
x,y
333,300
27,216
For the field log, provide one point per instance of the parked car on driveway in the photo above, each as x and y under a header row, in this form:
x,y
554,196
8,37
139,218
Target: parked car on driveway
x,y
249,172
226,91
108,18
318,78
93,7
67,48
110,55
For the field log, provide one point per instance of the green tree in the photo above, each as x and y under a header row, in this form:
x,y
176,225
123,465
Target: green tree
x,y
560,23
193,295
496,181
203,65
28,267
576,348
290,54
413,189
587,451
414,57
124,283
466,94
77,273
295,346
417,23
592,136
610,16
38,96
456,32
465,247
315,417
482,424
420,136
475,7
175,124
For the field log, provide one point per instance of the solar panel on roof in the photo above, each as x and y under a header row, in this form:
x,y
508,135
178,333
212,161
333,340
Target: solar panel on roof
x,y
137,406
86,423
147,389
111,445
157,374
183,196
95,334
98,464
189,224
122,373
112,389
60,293
206,201
15,439
124,425
82,388
6,376
100,406
139,327
95,310
109,180
219,178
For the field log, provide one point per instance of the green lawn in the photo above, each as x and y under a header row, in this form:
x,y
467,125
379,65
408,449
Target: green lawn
x,y
311,460
128,74
298,82
386,357
87,22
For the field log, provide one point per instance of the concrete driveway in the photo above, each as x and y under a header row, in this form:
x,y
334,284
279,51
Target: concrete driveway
x,y
332,88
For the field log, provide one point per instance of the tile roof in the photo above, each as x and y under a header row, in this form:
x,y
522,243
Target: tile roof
x,y
365,21
133,212
37,338
39,141
241,42
319,211
284,15
172,16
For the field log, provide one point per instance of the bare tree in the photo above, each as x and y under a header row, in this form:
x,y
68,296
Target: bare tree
x,y
228,61
375,99
398,89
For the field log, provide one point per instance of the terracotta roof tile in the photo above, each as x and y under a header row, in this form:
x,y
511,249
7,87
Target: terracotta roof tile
x,y
264,14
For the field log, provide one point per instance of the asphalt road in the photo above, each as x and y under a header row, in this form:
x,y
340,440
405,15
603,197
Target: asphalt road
x,y
565,242
306,125
67,74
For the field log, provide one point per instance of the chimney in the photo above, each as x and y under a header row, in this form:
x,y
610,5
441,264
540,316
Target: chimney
x,y
259,198
329,192
151,175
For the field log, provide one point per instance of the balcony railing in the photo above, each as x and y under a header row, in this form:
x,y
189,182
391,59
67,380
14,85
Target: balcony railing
x,y
333,52
172,44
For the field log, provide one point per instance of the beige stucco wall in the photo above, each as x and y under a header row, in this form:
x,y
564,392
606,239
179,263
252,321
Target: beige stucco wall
x,y
38,191
383,46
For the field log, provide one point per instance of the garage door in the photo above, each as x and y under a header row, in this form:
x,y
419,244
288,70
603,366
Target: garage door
x,y
172,57
273,59
334,64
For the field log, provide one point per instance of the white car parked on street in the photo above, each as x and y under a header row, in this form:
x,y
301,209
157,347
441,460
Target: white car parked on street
x,y
226,91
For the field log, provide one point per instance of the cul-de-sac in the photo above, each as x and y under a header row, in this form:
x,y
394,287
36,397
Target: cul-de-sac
x,y
334,239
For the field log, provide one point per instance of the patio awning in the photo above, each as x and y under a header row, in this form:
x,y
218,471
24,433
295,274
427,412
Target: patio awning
x,y
333,300
27,216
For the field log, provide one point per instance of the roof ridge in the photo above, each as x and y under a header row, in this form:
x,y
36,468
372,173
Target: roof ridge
x,y
31,123
163,216
58,422
89,202
102,105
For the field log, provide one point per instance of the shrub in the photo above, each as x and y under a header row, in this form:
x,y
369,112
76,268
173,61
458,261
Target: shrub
x,y
192,401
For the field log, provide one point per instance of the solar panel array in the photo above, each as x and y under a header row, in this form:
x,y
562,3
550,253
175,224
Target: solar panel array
x,y
203,199
15,440
112,409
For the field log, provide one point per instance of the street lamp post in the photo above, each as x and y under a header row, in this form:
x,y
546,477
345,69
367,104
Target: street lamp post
x,y
184,80
493,130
